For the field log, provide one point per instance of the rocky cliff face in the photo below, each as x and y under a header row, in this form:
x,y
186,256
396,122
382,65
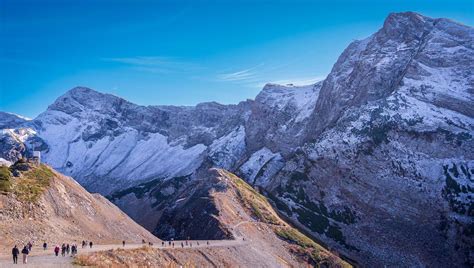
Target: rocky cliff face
x,y
389,162
376,160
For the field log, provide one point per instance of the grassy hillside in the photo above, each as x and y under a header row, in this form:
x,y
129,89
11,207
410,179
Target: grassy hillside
x,y
5,179
30,182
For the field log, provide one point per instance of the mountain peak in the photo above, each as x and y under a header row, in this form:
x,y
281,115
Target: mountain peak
x,y
80,90
406,16
80,98
405,26
10,120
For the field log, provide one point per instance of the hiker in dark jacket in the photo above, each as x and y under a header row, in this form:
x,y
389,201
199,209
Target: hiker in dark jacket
x,y
63,250
15,253
123,243
90,244
73,249
56,250
68,249
25,252
45,246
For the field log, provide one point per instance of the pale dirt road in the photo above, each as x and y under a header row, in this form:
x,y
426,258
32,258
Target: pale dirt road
x,y
41,258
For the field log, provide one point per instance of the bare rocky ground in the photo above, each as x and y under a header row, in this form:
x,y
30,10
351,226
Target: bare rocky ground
x,y
43,205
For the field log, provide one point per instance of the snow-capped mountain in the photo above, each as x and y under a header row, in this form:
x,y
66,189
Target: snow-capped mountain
x,y
387,170
108,143
377,160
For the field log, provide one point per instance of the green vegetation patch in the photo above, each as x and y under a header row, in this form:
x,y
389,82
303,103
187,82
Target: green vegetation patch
x,y
458,138
456,193
254,201
282,206
32,183
5,180
316,253
29,185
315,222
299,176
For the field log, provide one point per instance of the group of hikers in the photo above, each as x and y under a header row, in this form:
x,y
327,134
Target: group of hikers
x,y
171,243
25,251
65,250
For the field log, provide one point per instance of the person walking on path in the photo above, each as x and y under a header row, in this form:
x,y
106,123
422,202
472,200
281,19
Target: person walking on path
x,y
123,243
45,246
90,244
56,250
15,253
25,252
83,243
63,250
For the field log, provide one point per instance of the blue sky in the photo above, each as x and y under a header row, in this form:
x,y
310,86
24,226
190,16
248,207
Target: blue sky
x,y
181,52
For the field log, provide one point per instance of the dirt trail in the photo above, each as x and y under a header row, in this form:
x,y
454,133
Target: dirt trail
x,y
42,258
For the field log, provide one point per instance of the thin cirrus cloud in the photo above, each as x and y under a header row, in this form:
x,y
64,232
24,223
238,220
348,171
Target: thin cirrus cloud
x,y
245,75
255,77
258,76
158,65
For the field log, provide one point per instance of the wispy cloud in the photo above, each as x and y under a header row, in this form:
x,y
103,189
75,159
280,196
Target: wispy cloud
x,y
261,74
154,64
244,75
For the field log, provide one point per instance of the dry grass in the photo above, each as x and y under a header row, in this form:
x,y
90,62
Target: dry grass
x,y
140,257
32,183
254,201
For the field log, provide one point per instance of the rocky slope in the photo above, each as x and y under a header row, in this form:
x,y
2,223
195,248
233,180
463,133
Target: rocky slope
x,y
218,205
376,160
38,204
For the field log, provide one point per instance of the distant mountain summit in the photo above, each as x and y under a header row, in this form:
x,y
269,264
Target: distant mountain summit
x,y
376,160
429,60
8,120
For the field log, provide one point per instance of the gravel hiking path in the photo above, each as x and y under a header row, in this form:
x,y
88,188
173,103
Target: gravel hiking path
x,y
45,258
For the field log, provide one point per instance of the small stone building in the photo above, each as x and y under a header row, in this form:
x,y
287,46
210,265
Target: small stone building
x,y
36,157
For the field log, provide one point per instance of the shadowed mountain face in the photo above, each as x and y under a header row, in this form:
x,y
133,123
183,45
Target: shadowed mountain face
x,y
217,205
377,160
